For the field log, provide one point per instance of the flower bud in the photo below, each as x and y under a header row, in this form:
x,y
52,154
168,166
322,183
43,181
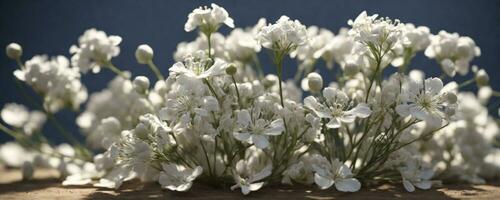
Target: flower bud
x,y
14,51
144,54
315,82
231,69
451,97
269,80
482,78
350,69
141,84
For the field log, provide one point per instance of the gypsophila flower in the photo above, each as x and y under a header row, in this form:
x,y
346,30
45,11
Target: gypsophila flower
x,y
177,177
453,52
54,79
335,173
285,35
255,130
208,19
426,101
336,107
95,50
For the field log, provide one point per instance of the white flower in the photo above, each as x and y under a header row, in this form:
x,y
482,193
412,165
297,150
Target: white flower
x,y
195,69
14,51
371,30
18,116
15,114
335,172
413,177
336,108
144,54
284,35
413,39
425,101
208,19
55,80
177,177
337,49
453,52
246,179
254,130
95,49
242,45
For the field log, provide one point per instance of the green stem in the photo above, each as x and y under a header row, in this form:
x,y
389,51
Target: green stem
x,y
115,69
237,91
372,78
155,69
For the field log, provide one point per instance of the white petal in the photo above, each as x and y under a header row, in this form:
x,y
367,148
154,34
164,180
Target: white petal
x,y
408,186
260,141
322,182
262,174
403,110
275,128
244,137
347,185
433,85
256,186
361,110
245,189
334,123
244,118
424,185
184,187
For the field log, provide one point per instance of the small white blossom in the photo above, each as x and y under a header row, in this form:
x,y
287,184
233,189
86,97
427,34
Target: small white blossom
x,y
208,19
453,52
255,130
177,177
199,68
246,179
336,107
335,173
426,101
95,49
284,35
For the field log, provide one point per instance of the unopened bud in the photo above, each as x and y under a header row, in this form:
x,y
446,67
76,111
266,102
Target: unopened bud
x,y
14,51
315,82
27,170
482,78
231,69
144,54
351,69
451,97
141,84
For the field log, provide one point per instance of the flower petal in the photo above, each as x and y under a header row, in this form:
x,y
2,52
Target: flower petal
x,y
347,185
322,182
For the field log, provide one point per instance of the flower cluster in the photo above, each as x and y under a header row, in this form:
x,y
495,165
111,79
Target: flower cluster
x,y
217,119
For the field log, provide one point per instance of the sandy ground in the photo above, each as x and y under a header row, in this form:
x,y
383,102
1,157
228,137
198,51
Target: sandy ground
x,y
46,186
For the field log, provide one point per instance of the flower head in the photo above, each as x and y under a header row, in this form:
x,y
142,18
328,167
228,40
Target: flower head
x,y
426,101
95,49
336,107
208,19
335,172
284,35
177,177
255,130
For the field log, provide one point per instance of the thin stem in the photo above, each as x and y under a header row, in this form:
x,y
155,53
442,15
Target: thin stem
x,y
237,91
155,69
212,89
115,69
209,37
372,78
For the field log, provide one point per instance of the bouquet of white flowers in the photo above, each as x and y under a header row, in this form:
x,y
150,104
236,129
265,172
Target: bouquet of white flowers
x,y
218,120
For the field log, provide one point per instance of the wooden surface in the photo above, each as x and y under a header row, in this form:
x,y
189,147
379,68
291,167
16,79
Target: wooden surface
x,y
46,186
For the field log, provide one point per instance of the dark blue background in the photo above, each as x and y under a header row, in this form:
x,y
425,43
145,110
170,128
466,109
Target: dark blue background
x,y
51,27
